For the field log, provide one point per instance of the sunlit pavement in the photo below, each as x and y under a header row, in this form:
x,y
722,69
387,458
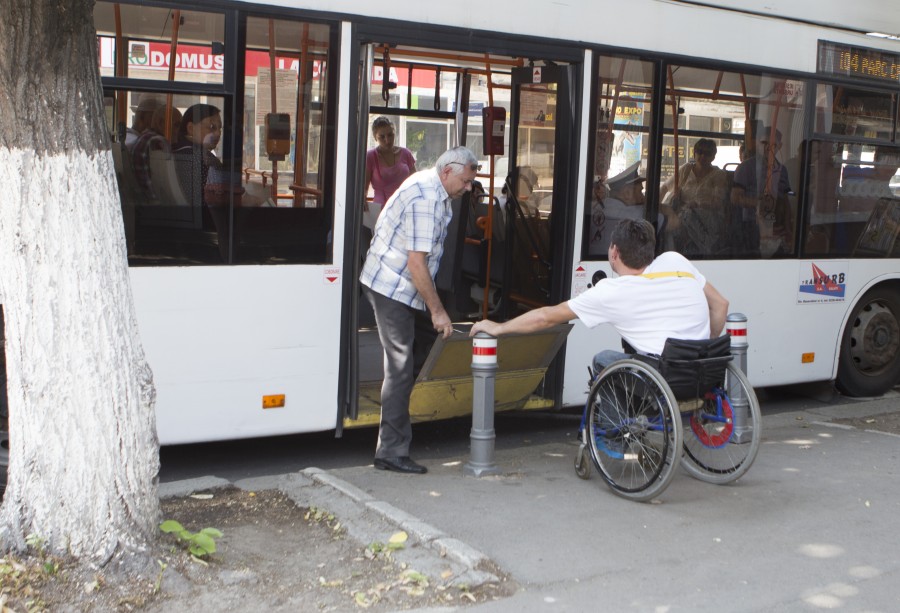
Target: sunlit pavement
x,y
812,526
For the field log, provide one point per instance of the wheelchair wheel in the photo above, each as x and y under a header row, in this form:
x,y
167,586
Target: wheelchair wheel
x,y
720,443
633,430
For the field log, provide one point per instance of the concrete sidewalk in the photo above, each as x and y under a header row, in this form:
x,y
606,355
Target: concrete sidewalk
x,y
812,526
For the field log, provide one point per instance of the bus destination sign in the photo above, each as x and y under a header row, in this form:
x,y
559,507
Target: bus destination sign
x,y
860,62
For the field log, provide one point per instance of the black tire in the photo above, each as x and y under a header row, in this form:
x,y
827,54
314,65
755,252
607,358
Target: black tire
x,y
633,430
869,363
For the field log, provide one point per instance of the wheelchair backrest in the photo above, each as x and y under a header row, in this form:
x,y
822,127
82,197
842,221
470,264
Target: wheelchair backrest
x,y
692,368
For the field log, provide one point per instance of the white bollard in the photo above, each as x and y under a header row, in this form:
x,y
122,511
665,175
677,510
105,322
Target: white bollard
x,y
484,368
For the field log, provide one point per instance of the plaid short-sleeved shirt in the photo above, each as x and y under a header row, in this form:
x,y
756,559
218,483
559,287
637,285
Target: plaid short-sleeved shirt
x,y
415,218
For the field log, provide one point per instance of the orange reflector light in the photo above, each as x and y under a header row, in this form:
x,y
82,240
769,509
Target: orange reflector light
x,y
807,358
273,402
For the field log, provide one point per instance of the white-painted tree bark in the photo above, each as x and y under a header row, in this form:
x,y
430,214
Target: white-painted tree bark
x,y
84,455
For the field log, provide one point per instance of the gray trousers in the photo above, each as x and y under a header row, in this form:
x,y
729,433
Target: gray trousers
x,y
396,329
607,357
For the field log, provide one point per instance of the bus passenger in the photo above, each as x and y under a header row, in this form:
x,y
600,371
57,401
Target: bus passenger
x,y
198,136
153,139
398,280
696,210
625,201
760,193
649,301
142,118
387,166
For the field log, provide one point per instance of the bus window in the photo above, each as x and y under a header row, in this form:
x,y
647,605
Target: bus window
x,y
847,184
844,111
135,42
730,163
283,214
623,112
170,212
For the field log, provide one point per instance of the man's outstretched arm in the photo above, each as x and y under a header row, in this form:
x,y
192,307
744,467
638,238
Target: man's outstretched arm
x,y
532,321
718,309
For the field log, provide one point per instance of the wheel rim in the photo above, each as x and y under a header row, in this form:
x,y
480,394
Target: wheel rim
x,y
713,434
874,338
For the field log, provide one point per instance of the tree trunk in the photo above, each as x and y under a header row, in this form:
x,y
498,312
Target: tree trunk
x,y
83,449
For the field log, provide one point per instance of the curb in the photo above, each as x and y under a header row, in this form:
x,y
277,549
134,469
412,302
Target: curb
x,y
477,568
428,535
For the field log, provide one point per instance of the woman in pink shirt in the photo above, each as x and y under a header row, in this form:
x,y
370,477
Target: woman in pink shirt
x,y
387,167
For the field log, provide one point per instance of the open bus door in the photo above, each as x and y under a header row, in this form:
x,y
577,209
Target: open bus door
x,y
542,183
533,257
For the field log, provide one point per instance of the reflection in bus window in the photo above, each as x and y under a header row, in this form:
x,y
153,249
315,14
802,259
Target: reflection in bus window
x,y
726,113
623,111
146,34
848,183
283,215
845,111
162,183
256,194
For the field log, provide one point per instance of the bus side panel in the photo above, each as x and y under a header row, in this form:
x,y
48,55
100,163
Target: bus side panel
x,y
220,339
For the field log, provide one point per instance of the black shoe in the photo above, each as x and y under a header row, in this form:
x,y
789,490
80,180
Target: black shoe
x,y
401,464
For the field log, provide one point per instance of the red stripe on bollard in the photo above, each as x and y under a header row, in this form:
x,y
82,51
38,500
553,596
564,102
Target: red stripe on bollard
x,y
484,351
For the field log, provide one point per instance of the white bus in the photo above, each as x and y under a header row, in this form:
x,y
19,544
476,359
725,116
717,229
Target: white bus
x,y
247,295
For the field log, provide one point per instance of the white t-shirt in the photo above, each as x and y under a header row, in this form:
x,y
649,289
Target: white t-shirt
x,y
645,310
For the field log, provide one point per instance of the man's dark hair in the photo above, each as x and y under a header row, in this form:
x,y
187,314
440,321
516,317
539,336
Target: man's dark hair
x,y
636,241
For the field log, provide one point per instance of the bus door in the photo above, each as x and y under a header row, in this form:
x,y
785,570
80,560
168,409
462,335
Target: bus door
x,y
539,188
452,115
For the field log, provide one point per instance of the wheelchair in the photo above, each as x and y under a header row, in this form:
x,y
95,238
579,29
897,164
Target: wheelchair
x,y
646,415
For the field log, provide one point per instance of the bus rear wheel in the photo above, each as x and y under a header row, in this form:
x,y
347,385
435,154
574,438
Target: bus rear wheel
x,y
870,348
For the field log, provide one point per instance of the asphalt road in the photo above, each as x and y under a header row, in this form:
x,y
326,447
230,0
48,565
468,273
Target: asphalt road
x,y
240,459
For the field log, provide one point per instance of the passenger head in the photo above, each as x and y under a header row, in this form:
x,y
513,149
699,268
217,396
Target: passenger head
x,y
201,125
705,152
457,169
635,240
628,186
383,131
143,115
158,123
768,140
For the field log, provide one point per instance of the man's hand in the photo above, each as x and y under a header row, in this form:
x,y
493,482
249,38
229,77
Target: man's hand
x,y
487,326
442,324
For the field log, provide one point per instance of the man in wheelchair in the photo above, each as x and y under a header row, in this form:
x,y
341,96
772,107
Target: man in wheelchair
x,y
647,302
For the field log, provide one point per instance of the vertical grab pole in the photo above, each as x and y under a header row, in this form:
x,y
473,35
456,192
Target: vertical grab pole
x,y
736,325
484,368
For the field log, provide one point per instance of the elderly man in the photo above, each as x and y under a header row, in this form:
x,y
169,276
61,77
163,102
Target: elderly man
x,y
398,279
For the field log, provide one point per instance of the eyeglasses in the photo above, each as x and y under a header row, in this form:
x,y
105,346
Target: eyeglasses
x,y
475,167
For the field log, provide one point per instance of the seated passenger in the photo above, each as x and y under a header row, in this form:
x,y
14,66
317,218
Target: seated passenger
x,y
153,139
625,200
198,136
696,209
141,121
649,301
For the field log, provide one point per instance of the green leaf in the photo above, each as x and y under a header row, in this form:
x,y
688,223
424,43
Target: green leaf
x,y
170,525
204,541
211,532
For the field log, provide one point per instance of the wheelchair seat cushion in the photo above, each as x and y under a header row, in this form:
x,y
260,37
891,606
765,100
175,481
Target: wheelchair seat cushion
x,y
692,368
